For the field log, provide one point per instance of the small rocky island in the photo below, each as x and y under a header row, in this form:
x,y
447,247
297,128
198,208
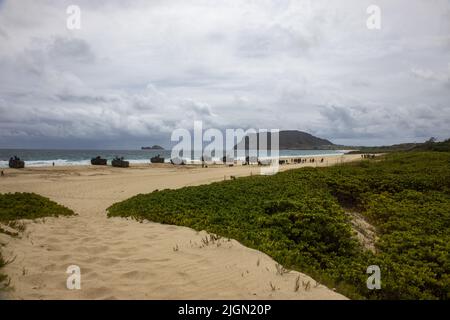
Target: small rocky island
x,y
154,147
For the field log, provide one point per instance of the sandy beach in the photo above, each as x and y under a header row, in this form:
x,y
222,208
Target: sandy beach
x,y
125,259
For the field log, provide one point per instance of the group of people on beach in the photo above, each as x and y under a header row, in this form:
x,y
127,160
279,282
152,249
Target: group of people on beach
x,y
368,156
304,160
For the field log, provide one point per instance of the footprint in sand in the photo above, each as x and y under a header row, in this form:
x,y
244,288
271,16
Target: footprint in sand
x,y
137,275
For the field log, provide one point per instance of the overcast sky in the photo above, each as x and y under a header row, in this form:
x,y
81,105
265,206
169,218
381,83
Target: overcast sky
x,y
136,71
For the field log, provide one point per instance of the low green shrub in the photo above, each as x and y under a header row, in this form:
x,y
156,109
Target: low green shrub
x,y
298,218
16,206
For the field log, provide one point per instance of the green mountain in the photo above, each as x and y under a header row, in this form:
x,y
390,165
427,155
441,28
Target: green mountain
x,y
293,140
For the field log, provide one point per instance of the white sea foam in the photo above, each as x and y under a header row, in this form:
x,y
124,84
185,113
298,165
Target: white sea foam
x,y
62,162
84,162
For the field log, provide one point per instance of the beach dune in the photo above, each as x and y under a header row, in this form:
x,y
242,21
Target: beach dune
x,y
125,259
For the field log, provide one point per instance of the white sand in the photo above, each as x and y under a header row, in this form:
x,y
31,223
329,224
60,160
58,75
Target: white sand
x,y
124,259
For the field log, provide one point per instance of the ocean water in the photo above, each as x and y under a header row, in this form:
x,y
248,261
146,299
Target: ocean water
x,y
39,158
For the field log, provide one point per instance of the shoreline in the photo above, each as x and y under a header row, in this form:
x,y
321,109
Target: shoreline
x,y
62,162
192,163
122,258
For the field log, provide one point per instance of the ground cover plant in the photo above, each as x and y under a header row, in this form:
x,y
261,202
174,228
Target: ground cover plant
x,y
299,218
17,206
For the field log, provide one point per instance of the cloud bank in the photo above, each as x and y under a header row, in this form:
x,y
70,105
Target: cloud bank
x,y
136,71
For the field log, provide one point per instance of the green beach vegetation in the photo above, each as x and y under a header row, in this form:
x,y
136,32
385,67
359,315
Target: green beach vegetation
x,y
429,145
300,218
17,206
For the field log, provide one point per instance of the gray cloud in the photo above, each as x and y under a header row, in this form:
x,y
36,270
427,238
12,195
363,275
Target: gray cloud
x,y
440,77
70,50
135,72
